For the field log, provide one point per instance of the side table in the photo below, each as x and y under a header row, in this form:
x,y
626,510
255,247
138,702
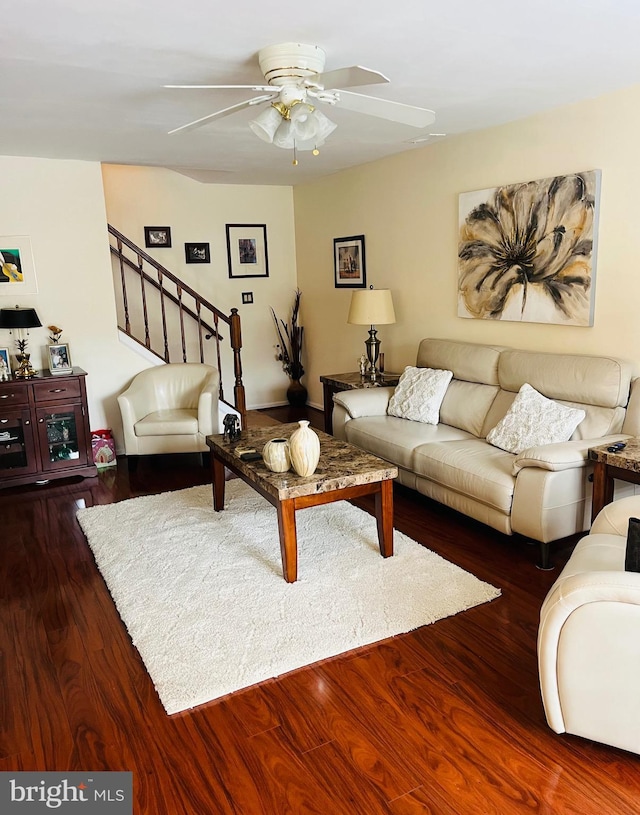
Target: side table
x,y
625,466
333,383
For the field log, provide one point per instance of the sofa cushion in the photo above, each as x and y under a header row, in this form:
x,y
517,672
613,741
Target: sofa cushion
x,y
168,422
466,404
395,439
533,420
419,394
468,360
470,467
580,378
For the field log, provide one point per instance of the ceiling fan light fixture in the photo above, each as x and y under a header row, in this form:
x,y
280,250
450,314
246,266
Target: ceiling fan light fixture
x,y
302,126
266,124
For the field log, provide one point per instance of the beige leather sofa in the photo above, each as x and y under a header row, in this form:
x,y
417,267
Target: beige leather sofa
x,y
170,409
543,493
588,643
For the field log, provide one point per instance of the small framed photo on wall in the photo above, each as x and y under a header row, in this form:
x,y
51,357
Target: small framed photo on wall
x,y
349,262
59,358
157,237
196,253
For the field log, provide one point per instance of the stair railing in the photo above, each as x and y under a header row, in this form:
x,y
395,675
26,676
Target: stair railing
x,y
155,304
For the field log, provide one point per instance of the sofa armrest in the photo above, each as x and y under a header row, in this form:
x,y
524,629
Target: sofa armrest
x,y
208,405
561,455
364,401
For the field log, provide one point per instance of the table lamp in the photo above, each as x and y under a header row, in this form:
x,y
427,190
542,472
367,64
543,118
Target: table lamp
x,y
370,307
20,320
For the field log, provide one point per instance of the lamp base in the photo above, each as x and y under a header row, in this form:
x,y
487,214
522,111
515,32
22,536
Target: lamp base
x,y
25,371
373,350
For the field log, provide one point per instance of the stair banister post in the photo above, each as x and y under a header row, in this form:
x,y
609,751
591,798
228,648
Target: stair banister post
x,y
238,388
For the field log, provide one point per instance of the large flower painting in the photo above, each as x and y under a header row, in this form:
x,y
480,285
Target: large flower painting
x,y
527,251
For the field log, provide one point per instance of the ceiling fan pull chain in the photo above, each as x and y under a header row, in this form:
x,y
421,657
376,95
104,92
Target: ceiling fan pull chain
x,y
295,157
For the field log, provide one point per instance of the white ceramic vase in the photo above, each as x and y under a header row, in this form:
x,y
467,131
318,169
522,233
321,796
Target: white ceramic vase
x,y
275,455
304,449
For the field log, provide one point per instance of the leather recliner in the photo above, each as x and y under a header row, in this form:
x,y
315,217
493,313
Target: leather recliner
x,y
589,637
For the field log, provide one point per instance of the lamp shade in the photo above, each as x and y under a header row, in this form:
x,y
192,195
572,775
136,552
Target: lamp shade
x,y
303,127
371,307
19,318
266,124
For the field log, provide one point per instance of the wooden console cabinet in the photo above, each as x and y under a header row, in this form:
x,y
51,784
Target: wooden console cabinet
x,y
44,429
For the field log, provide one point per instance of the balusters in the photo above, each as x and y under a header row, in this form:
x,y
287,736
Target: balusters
x,y
127,324
218,360
164,317
182,337
200,331
143,295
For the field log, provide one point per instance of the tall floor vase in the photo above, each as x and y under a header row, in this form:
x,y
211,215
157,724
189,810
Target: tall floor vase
x,y
296,393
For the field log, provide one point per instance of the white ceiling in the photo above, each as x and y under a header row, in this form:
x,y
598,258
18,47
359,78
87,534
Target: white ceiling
x,y
83,79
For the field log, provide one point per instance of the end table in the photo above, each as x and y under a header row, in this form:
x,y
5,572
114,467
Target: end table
x,y
333,383
625,466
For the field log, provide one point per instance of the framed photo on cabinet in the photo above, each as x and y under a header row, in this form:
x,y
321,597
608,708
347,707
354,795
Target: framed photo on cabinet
x,y
59,358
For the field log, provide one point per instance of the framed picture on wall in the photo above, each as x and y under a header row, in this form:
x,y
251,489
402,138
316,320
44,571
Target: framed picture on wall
x,y
196,253
247,250
17,272
157,237
349,262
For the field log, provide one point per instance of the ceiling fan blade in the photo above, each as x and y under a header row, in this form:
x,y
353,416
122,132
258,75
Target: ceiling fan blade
x,y
349,77
220,113
262,88
386,109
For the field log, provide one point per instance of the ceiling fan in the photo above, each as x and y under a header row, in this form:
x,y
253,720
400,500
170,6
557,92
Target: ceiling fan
x,y
295,85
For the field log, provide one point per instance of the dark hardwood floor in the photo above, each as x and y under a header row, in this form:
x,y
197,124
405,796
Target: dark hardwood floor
x,y
445,720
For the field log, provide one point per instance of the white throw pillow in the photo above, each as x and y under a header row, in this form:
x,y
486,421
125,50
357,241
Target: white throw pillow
x,y
533,420
419,394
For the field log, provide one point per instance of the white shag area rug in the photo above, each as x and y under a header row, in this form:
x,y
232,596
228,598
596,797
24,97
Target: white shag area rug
x,y
205,603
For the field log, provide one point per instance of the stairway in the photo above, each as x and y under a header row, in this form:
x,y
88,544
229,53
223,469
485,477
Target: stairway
x,y
162,314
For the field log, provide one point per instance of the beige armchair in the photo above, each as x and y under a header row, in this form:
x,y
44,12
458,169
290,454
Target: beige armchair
x,y
589,637
170,409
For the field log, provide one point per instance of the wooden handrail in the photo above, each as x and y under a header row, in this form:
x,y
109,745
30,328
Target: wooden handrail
x,y
212,331
182,290
166,273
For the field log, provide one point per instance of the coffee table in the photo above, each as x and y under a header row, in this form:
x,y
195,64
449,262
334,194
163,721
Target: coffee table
x,y
344,472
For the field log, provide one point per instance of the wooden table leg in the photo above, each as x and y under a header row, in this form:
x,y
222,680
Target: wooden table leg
x,y
327,403
602,488
384,517
288,539
217,478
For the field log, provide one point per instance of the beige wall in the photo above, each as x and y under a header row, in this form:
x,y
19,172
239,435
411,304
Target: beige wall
x,y
407,208
150,196
59,205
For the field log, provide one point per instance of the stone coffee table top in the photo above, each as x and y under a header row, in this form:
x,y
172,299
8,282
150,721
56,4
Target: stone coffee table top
x,y
341,464
627,459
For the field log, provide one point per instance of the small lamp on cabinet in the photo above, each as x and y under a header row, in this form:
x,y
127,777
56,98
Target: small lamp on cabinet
x,y
20,320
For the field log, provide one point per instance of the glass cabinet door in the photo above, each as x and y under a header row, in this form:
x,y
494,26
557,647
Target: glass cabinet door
x,y
61,435
17,451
